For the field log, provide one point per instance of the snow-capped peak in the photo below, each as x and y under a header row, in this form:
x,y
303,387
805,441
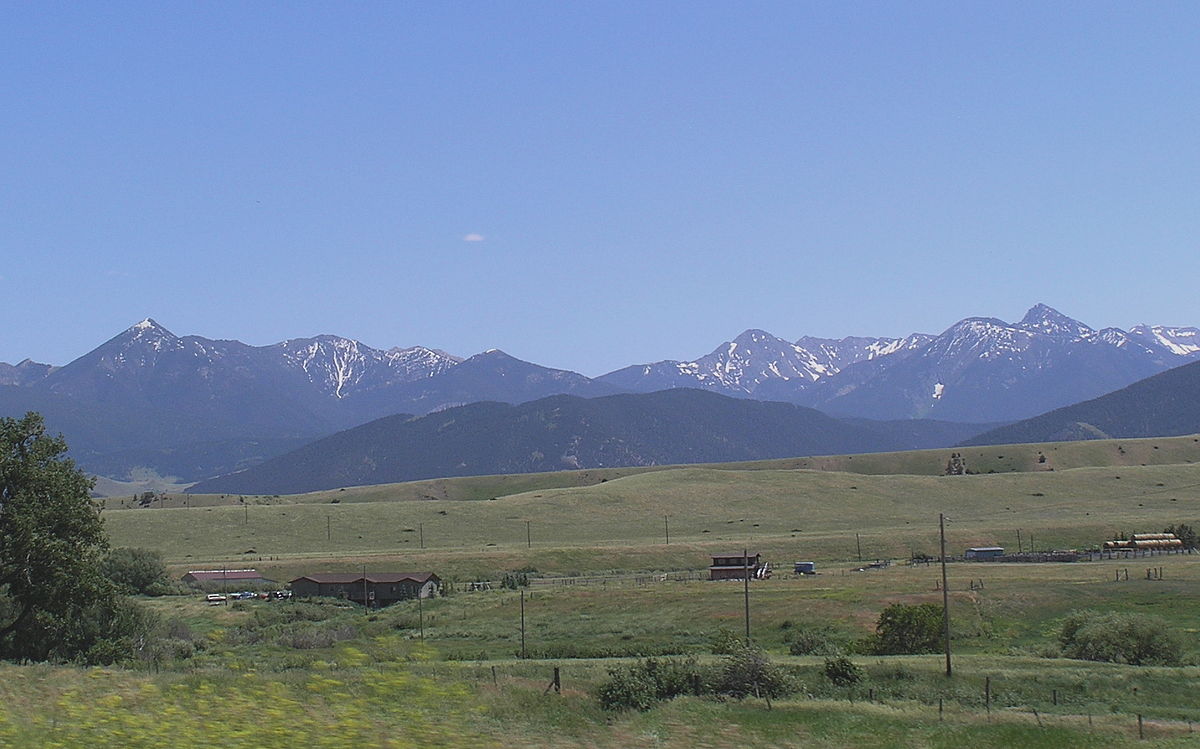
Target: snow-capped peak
x,y
1046,320
148,326
340,366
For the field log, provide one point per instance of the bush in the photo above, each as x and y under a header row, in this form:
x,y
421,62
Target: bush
x,y
842,671
747,671
814,642
1136,639
724,642
1185,533
909,629
627,689
136,570
514,580
641,685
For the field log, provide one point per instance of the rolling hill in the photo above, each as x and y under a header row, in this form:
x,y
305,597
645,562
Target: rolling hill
x,y
679,426
1166,404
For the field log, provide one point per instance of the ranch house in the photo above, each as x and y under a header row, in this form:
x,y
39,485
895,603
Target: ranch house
x,y
734,566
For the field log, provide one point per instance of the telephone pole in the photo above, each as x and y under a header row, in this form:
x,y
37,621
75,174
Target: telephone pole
x,y
746,589
523,654
945,593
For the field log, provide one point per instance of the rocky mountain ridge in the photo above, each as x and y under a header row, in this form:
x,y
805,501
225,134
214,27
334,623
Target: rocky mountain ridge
x,y
196,406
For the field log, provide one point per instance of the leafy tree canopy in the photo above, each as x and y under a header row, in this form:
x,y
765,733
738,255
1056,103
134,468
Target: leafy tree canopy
x,y
904,629
54,602
136,570
1136,639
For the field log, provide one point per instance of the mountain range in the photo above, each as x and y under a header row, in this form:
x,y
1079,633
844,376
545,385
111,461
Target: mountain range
x,y
979,369
193,407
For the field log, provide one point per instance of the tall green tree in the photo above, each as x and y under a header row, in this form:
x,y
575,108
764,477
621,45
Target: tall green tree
x,y
909,628
54,602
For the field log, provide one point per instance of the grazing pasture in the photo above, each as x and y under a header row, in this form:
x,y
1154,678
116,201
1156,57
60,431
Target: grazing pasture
x,y
606,589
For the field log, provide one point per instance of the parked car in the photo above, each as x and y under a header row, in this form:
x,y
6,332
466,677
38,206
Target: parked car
x,y
215,599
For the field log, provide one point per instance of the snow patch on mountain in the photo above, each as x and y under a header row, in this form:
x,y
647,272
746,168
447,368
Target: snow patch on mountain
x,y
340,366
1183,342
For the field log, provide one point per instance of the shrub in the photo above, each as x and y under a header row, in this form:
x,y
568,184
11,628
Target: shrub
x,y
514,580
842,671
814,642
724,642
909,629
1185,533
1136,639
136,570
641,685
627,688
747,671
309,636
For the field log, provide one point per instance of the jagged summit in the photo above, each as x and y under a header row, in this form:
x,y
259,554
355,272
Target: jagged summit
x,y
148,325
1044,319
148,330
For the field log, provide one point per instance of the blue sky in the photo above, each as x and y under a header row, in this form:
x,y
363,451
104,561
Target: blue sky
x,y
590,185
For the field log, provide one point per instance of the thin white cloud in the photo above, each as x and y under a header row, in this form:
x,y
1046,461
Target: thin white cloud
x,y
473,237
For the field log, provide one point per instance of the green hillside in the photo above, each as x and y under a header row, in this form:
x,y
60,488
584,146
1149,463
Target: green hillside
x,y
563,432
1167,403
619,524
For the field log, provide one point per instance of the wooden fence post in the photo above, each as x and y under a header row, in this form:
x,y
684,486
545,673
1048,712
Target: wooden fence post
x,y
555,683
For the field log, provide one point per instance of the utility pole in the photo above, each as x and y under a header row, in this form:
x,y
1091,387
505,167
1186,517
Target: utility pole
x,y
1019,547
666,530
523,624
245,513
746,589
365,605
528,538
328,528
421,533
858,543
945,593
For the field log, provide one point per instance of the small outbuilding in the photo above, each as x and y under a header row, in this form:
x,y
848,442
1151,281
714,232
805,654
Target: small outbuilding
x,y
736,566
229,578
984,553
375,589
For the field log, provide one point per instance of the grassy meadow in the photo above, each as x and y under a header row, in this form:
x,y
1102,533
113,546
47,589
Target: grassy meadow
x,y
606,588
